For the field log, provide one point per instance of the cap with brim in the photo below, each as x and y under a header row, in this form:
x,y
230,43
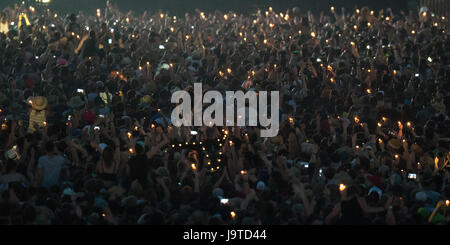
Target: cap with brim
x,y
39,103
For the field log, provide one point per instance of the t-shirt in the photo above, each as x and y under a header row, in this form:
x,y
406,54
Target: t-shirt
x,y
51,166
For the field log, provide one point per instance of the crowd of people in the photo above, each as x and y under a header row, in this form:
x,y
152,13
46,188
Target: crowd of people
x,y
86,136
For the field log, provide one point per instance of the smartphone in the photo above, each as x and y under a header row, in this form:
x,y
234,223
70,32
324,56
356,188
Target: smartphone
x,y
417,75
193,132
319,60
161,46
101,116
412,176
80,90
87,28
96,128
224,200
110,41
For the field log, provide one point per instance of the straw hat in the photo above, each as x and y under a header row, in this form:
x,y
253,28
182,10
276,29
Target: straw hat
x,y
39,103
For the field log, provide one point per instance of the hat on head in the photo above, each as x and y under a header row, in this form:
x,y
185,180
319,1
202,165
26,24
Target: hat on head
x,y
102,146
394,144
146,99
260,186
62,62
39,103
89,117
75,102
217,192
421,196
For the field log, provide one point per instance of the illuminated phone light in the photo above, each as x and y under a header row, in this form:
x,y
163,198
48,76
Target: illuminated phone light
x,y
233,214
369,24
131,150
413,32
313,34
221,73
332,8
342,187
368,91
355,27
358,11
396,156
220,144
243,172
272,25
265,41
173,146
229,71
179,145
225,17
187,143
388,18
380,141
447,203
384,119
424,14
193,166
329,68
356,119
129,135
357,147
379,124
267,13
220,153
371,12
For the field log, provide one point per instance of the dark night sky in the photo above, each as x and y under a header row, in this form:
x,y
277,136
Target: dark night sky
x,y
178,7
